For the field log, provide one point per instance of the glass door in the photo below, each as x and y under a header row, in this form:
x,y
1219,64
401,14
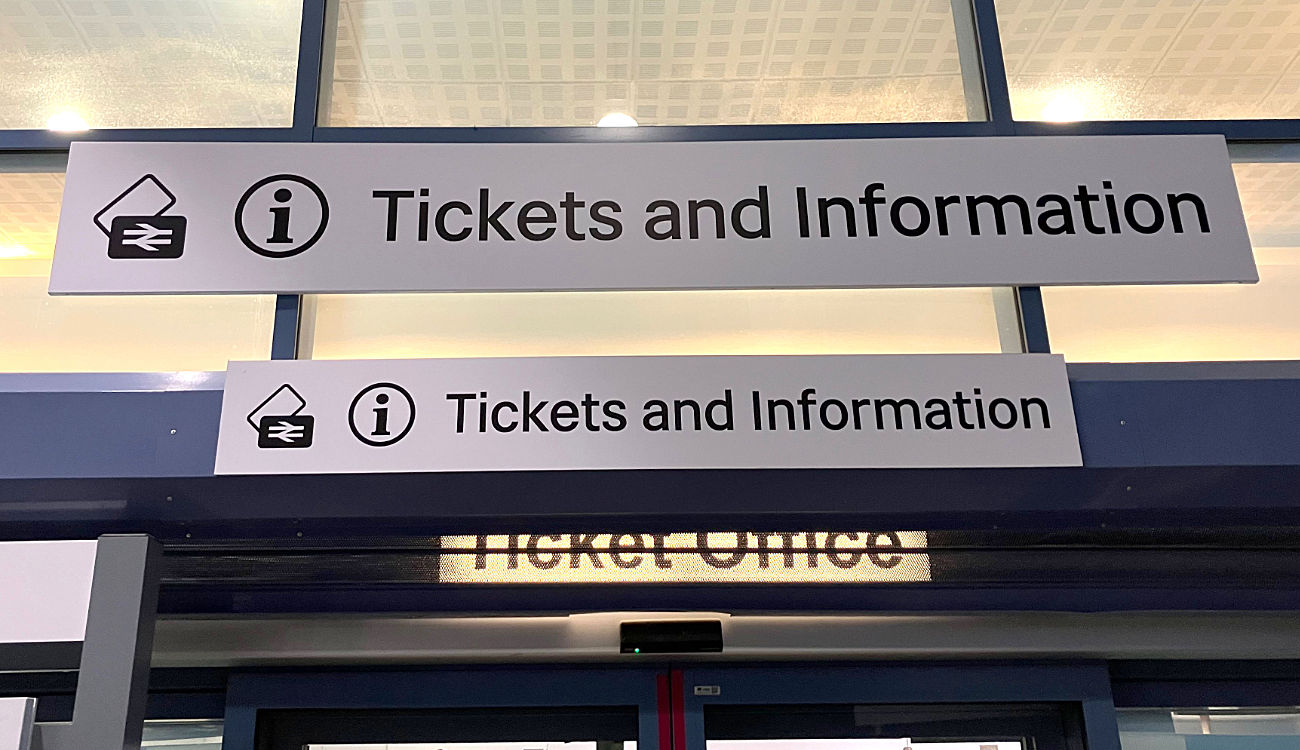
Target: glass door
x,y
534,728
488,708
849,726
893,707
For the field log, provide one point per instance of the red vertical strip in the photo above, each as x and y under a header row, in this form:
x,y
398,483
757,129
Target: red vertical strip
x,y
679,711
665,709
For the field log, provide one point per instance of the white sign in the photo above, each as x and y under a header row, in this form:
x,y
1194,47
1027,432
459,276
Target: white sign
x,y
45,590
837,411
16,718
265,218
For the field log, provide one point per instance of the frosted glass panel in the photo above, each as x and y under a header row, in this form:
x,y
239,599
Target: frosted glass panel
x,y
148,64
572,62
40,333
1242,728
1151,59
1199,322
183,734
621,323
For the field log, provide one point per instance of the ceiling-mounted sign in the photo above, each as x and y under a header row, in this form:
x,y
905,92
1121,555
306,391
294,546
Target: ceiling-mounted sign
x,y
264,217
555,413
686,557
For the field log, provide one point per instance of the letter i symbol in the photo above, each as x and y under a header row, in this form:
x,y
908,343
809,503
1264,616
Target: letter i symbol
x,y
280,231
381,415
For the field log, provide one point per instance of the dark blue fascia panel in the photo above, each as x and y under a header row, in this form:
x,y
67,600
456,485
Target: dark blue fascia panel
x,y
109,434
1165,684
1208,414
210,599
1129,416
325,506
1200,442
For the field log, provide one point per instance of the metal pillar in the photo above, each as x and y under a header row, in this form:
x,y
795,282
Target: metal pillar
x,y
113,681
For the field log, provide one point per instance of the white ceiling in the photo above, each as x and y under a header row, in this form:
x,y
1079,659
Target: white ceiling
x,y
1154,59
149,63
29,214
194,63
665,62
568,62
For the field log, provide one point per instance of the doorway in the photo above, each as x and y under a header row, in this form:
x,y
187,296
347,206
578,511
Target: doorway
x,y
810,707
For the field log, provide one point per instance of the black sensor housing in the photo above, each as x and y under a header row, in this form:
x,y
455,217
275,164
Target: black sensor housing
x,y
670,637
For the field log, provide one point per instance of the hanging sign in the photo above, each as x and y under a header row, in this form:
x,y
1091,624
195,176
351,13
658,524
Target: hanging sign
x,y
142,218
686,557
555,413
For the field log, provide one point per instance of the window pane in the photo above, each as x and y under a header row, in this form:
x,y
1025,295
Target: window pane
x,y
40,333
145,64
571,62
182,734
1209,728
623,323
1147,60
935,726
1199,322
514,728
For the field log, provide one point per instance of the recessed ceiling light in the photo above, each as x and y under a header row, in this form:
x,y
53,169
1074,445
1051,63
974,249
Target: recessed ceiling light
x,y
616,120
67,121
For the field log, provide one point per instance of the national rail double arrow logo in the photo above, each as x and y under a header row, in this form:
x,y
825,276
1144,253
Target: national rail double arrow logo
x,y
278,420
137,225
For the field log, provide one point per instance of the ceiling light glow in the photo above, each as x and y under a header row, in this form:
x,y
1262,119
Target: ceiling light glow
x,y
1064,107
616,120
15,251
67,121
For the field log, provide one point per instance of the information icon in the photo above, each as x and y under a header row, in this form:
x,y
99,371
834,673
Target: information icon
x,y
381,414
281,216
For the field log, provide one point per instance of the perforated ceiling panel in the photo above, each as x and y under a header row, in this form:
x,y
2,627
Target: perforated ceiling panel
x,y
665,62
1270,195
1152,59
29,214
148,63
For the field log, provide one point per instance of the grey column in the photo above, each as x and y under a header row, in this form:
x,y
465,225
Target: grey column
x,y
113,681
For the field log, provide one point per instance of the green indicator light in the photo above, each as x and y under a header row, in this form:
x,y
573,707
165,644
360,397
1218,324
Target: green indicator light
x,y
636,650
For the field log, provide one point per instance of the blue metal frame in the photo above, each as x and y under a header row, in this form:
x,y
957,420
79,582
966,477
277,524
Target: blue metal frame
x,y
659,133
311,50
249,692
284,331
1087,684
1033,320
44,140
1233,130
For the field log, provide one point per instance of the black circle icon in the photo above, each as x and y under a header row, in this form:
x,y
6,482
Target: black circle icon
x,y
273,216
380,421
